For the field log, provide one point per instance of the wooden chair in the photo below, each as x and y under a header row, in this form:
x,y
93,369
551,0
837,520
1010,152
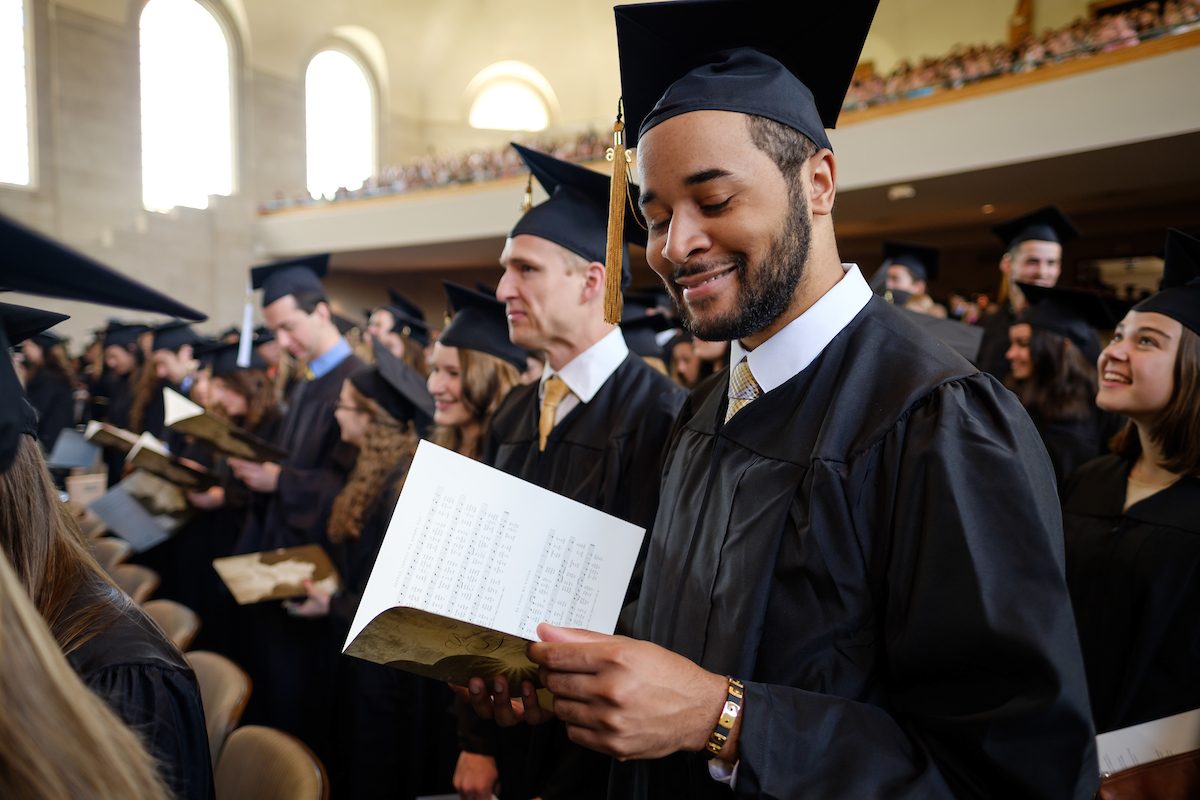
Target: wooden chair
x,y
136,581
265,764
224,690
110,551
177,621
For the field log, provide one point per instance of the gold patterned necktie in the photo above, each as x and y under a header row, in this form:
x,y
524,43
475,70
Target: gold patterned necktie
x,y
742,389
552,394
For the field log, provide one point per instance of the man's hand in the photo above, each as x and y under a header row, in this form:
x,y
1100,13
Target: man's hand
x,y
475,776
629,698
214,497
315,606
491,700
262,477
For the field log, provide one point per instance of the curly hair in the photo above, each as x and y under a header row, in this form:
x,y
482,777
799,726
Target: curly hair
x,y
486,381
1063,383
387,443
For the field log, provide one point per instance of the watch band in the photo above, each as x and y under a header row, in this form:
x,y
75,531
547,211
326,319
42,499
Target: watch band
x,y
729,715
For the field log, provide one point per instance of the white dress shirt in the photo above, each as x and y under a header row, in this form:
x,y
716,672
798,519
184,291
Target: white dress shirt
x,y
796,345
587,372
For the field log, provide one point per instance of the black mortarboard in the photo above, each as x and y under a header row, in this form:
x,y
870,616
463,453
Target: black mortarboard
x,y
485,288
576,215
921,261
345,324
1070,313
222,357
22,322
123,334
790,62
17,416
397,387
480,323
290,277
1178,295
1044,225
33,263
640,328
262,335
174,335
410,319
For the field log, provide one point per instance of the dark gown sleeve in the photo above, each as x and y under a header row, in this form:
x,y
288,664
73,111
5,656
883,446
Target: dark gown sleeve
x,y
54,400
162,705
985,685
305,496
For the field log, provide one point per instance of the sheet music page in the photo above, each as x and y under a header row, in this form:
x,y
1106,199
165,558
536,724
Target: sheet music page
x,y
1149,741
472,543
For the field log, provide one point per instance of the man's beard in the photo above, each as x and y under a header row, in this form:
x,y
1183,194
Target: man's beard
x,y
762,296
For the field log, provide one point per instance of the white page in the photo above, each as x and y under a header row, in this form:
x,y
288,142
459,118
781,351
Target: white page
x,y
176,407
473,543
1149,741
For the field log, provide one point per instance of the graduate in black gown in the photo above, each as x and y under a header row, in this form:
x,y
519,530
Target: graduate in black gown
x,y
116,649
293,658
1033,254
49,386
381,712
592,429
174,365
1132,519
123,363
854,586
400,328
1052,368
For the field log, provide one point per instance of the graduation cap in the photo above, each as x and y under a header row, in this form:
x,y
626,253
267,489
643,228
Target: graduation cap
x,y
262,335
485,288
294,276
22,322
222,358
920,261
789,62
1178,295
344,324
17,416
640,329
410,319
1069,313
1047,224
33,263
576,215
174,335
480,324
123,334
397,387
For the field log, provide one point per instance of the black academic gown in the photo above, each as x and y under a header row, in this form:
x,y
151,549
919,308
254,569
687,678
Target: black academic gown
x,y
120,407
874,548
1071,443
395,731
607,454
995,342
1135,582
147,682
291,659
53,396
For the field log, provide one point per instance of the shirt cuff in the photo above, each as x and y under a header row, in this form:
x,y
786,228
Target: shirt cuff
x,y
723,772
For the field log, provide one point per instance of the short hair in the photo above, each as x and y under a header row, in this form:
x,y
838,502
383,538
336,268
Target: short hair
x,y
787,147
1176,431
308,300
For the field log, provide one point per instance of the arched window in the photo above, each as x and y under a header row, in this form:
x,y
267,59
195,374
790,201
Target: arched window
x,y
15,128
187,106
510,96
339,123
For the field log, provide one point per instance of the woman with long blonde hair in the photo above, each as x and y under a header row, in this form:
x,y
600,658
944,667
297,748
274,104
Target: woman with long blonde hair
x,y
58,741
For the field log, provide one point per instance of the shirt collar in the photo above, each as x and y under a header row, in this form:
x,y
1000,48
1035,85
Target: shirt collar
x,y
796,345
325,363
587,372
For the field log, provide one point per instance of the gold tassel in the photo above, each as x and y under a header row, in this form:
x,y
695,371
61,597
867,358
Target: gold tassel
x,y
527,202
616,221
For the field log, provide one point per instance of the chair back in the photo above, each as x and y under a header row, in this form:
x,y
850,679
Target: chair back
x,y
110,551
136,581
224,690
265,764
177,621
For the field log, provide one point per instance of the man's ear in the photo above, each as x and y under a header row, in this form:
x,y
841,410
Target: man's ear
x,y
593,282
822,182
323,312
